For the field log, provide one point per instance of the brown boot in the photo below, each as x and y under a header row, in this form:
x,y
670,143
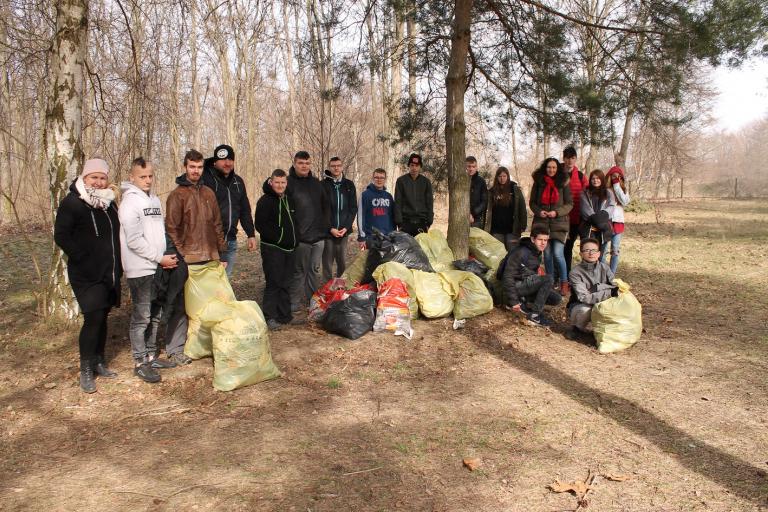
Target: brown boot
x,y
565,289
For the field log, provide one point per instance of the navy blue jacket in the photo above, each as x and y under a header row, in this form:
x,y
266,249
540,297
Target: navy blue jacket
x,y
232,198
376,210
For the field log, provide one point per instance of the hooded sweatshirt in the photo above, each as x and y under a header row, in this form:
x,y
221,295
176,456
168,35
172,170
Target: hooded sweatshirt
x,y
342,200
142,231
312,212
376,210
274,219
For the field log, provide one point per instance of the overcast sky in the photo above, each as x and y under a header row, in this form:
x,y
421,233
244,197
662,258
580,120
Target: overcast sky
x,y
743,95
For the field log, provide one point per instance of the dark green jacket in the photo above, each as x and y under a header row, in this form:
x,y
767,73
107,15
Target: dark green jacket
x,y
413,200
560,225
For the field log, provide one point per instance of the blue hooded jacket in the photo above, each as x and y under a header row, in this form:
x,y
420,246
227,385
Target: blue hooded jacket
x,y
376,210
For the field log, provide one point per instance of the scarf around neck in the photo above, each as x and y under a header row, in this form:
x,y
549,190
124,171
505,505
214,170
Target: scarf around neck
x,y
99,198
549,195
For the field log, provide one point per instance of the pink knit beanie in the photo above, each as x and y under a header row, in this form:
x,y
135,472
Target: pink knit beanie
x,y
94,165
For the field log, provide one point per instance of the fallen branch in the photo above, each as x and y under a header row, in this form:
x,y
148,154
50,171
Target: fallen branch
x,y
140,494
583,501
362,471
190,488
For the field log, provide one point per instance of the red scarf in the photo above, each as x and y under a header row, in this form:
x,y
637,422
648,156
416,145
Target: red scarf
x,y
550,195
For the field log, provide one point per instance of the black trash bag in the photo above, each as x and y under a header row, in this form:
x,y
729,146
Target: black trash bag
x,y
477,267
353,316
396,246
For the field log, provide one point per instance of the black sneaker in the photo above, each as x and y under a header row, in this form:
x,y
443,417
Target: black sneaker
x,y
526,310
274,325
180,359
539,319
162,364
146,373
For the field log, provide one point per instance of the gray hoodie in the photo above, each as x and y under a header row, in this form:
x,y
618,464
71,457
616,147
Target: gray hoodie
x,y
142,231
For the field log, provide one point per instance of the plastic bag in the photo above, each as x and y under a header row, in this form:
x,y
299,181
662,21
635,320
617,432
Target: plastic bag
x,y
398,270
485,248
434,298
206,284
398,247
330,292
353,316
471,265
617,322
471,297
436,248
355,272
392,313
241,351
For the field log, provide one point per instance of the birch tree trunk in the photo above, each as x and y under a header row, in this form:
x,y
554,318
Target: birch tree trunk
x,y
197,127
63,132
6,118
455,131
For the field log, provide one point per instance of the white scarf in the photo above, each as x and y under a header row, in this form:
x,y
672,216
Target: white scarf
x,y
95,197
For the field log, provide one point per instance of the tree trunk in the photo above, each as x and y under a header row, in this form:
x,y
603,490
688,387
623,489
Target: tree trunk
x,y
63,132
455,131
6,118
620,158
197,126
411,49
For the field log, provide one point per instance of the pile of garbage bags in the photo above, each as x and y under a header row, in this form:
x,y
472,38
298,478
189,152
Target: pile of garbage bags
x,y
233,332
429,282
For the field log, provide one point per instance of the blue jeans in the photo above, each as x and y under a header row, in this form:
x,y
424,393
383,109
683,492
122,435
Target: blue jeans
x,y
615,250
230,256
556,247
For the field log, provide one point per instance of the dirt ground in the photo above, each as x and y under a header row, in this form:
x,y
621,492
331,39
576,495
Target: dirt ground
x,y
677,423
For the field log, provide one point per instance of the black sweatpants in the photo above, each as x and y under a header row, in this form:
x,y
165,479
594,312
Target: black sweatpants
x,y
278,266
414,228
93,334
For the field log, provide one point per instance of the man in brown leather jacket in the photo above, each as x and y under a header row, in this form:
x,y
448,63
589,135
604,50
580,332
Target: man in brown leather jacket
x,y
193,225
192,218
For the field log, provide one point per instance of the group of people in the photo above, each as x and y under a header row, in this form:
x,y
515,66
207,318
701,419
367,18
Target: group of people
x,y
566,206
304,223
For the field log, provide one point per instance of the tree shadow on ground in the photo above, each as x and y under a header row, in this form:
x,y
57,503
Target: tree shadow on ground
x,y
740,477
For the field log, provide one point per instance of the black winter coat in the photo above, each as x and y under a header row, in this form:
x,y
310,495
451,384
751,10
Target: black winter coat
x,y
342,201
90,237
275,219
232,197
312,209
522,261
478,199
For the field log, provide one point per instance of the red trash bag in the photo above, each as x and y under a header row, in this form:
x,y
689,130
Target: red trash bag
x,y
330,292
392,313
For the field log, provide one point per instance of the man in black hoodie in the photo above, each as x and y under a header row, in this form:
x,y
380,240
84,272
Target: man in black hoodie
x,y
274,222
342,199
521,280
231,194
478,195
312,228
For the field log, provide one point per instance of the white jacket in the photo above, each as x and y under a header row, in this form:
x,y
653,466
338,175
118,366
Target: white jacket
x,y
621,200
142,231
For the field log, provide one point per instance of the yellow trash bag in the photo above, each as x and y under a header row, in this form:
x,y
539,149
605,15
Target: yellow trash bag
x,y
205,283
485,248
470,295
241,351
433,296
356,271
436,248
617,322
393,269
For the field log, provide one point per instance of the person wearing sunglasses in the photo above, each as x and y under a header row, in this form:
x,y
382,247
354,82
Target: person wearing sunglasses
x,y
591,283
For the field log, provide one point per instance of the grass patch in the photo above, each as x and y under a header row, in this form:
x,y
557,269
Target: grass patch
x,y
334,383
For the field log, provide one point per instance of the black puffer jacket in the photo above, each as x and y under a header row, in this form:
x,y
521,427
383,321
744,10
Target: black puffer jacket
x,y
478,199
522,261
312,209
90,237
232,197
342,201
274,219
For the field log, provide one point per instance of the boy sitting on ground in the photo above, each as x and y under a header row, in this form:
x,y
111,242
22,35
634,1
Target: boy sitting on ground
x,y
525,290
591,283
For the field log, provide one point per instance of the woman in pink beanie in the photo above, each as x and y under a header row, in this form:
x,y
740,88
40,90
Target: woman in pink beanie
x,y
88,231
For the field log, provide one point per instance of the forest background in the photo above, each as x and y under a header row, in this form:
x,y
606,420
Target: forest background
x,y
626,82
